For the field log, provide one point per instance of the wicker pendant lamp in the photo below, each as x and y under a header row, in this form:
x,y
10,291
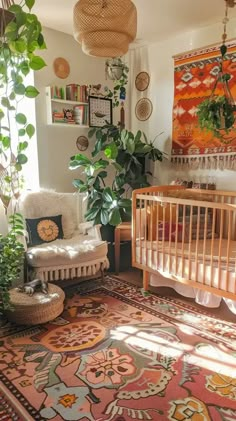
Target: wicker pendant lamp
x,y
5,15
105,28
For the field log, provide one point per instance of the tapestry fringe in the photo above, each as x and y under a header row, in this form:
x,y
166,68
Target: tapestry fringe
x,y
216,162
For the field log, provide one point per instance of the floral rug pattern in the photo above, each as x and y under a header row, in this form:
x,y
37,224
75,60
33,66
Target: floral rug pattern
x,y
117,355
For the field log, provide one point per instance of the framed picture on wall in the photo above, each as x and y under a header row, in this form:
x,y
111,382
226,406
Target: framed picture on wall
x,y
100,111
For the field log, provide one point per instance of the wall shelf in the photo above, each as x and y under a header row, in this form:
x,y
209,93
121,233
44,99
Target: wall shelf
x,y
61,104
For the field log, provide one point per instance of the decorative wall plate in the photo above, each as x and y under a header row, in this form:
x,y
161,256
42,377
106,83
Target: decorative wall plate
x,y
61,68
82,143
143,109
142,81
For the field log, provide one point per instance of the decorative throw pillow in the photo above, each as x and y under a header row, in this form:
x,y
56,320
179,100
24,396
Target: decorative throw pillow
x,y
44,230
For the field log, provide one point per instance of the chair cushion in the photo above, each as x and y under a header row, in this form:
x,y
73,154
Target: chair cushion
x,y
44,230
78,249
47,203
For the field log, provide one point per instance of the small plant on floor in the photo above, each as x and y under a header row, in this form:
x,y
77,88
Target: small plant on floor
x,y
11,259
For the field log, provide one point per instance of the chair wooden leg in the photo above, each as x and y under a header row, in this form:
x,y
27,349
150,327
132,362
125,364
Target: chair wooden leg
x,y
145,280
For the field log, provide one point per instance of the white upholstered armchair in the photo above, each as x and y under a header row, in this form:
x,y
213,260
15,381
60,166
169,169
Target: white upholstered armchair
x,y
61,246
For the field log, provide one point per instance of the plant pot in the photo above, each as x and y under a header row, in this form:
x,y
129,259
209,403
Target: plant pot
x,y
114,72
125,256
5,18
108,233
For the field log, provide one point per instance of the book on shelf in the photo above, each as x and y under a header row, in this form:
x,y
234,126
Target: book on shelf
x,y
71,92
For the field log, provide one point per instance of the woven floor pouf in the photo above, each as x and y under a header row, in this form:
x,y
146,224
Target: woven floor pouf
x,y
38,308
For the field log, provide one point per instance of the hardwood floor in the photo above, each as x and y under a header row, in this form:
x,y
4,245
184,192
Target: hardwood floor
x,y
135,276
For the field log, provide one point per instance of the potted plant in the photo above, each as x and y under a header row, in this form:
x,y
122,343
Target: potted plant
x,y
117,71
20,39
126,153
108,197
217,113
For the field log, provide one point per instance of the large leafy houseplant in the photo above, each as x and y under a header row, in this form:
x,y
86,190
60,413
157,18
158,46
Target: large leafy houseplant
x,y
125,153
19,40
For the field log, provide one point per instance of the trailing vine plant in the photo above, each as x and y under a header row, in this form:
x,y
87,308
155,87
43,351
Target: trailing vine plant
x,y
19,41
18,45
119,91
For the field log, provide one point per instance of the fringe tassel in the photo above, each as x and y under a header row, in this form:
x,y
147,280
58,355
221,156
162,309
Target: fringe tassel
x,y
55,274
216,162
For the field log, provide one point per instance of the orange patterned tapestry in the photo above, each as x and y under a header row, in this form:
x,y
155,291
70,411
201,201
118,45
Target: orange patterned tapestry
x,y
194,78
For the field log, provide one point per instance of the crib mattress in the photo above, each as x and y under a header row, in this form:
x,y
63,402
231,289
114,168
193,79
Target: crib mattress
x,y
211,250
201,263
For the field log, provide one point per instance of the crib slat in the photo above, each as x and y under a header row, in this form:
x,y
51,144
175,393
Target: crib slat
x,y
182,245
228,249
220,248
176,241
197,243
213,230
190,242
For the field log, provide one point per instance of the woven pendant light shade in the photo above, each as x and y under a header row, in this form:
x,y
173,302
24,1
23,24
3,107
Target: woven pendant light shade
x,y
105,28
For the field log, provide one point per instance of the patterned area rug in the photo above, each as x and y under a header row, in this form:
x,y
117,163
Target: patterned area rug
x,y
115,355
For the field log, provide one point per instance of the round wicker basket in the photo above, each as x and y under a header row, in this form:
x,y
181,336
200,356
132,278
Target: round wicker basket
x,y
36,309
105,27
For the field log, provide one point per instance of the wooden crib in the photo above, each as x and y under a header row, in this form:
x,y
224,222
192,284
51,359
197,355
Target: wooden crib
x,y
186,235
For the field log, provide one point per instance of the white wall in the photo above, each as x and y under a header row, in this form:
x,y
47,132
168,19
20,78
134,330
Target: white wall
x,y
57,144
157,59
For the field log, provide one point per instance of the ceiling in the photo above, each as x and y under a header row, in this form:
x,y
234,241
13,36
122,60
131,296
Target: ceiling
x,y
157,19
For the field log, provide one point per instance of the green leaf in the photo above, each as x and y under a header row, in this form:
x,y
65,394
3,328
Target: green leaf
x,y
21,118
19,89
29,3
91,214
5,102
18,167
78,183
30,130
91,132
31,92
107,195
111,151
79,160
6,142
115,217
15,8
24,67
22,146
20,46
40,40
104,215
37,63
124,203
22,159
21,132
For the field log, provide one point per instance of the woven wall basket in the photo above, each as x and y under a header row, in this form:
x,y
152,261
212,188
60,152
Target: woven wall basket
x,y
105,28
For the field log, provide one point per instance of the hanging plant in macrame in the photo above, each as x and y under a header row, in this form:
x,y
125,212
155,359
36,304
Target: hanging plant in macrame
x,y
217,113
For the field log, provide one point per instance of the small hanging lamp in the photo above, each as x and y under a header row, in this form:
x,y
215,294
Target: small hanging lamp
x,y
5,15
105,28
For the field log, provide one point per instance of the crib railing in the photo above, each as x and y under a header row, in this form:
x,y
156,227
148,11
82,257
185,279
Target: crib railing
x,y
187,235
